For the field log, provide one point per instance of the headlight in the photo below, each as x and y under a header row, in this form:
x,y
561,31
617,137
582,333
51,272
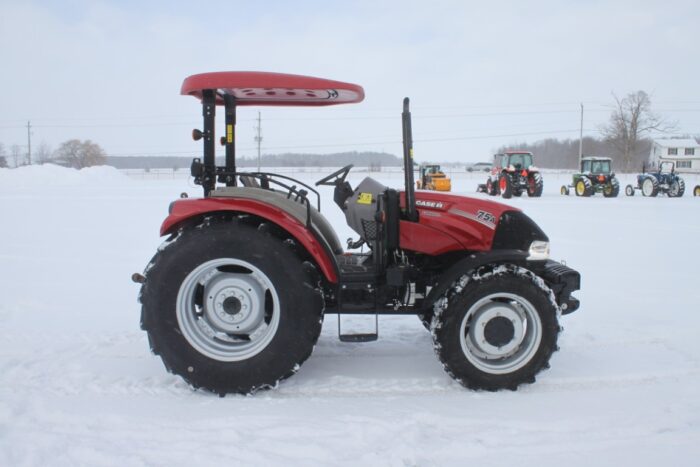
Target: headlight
x,y
539,250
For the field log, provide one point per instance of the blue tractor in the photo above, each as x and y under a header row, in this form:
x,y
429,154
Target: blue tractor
x,y
664,180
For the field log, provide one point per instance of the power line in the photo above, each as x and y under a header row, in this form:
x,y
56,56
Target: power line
x,y
355,143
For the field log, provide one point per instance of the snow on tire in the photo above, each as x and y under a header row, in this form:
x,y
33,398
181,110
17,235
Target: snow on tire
x,y
231,309
496,328
505,186
535,185
650,186
612,190
677,188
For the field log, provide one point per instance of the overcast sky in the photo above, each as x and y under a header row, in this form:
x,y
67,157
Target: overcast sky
x,y
479,74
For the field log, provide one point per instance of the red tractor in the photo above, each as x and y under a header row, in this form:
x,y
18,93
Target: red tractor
x,y
513,174
234,299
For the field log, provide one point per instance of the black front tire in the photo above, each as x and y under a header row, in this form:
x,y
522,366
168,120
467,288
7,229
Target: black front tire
x,y
300,307
456,323
491,188
650,186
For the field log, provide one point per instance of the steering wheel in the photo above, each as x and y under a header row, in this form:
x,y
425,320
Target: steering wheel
x,y
335,176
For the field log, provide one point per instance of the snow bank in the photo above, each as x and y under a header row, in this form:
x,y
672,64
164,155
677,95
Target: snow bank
x,y
51,175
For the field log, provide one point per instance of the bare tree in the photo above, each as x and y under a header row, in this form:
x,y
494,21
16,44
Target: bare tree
x,y
43,153
632,120
16,154
79,154
3,159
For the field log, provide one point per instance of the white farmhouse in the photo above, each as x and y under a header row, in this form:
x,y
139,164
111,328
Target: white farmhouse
x,y
684,152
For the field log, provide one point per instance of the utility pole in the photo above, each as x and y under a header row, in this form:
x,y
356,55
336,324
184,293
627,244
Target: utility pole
x,y
258,138
29,142
580,139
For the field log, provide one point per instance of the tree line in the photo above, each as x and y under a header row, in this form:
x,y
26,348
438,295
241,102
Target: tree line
x,y
554,153
625,138
72,153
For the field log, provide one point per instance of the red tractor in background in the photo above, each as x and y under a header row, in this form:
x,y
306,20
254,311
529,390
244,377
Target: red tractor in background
x,y
234,299
513,174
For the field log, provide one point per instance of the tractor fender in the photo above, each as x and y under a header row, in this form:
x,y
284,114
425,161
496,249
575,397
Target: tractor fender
x,y
469,264
184,210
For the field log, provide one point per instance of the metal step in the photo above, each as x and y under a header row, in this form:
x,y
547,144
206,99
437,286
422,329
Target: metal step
x,y
359,337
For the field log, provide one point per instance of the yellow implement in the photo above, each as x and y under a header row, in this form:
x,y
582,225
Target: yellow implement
x,y
433,178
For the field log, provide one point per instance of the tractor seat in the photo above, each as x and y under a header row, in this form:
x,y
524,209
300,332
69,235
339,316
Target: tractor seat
x,y
249,181
296,209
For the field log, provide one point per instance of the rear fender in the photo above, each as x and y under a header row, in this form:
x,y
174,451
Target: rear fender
x,y
185,210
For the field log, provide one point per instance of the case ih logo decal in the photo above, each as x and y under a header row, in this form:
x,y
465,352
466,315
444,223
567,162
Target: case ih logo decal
x,y
430,204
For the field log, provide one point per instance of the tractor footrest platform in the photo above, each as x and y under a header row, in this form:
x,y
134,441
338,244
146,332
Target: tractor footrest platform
x,y
356,268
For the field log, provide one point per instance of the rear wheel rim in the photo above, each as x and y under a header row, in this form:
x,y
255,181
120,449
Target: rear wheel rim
x,y
647,187
228,309
580,188
500,333
502,184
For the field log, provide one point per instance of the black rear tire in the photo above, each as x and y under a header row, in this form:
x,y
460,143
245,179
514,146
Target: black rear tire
x,y
507,292
294,283
505,186
535,185
677,188
612,189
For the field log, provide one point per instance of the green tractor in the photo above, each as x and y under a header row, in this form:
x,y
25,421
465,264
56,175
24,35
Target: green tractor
x,y
596,176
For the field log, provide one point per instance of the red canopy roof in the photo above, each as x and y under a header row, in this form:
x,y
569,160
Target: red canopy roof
x,y
262,88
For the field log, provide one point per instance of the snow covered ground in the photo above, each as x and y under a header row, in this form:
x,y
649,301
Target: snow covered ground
x,y
78,385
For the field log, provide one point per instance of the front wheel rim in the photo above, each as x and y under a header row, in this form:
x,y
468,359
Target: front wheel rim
x,y
500,333
228,309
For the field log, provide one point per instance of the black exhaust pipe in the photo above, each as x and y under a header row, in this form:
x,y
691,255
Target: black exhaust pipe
x,y
411,212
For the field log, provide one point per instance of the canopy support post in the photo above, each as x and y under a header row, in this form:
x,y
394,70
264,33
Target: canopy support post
x,y
209,115
230,139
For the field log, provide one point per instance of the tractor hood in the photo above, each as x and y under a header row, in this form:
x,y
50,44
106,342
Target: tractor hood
x,y
446,222
471,223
